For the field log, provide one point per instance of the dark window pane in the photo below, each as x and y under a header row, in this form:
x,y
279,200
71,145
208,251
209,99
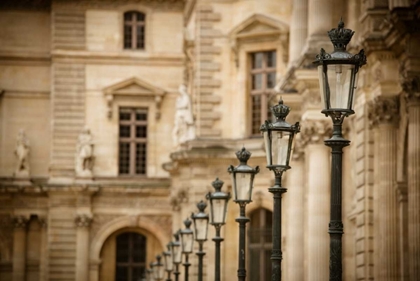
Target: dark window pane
x,y
141,131
257,60
139,246
125,115
141,115
140,16
124,158
128,36
137,273
271,80
267,263
140,158
257,81
140,37
128,16
271,59
122,248
121,274
124,131
256,114
254,265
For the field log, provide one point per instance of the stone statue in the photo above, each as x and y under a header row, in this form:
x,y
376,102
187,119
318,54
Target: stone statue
x,y
84,154
184,128
22,152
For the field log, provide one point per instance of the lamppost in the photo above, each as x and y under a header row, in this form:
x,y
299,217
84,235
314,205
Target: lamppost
x,y
243,182
201,222
278,140
176,254
158,271
337,79
169,266
187,240
150,272
218,208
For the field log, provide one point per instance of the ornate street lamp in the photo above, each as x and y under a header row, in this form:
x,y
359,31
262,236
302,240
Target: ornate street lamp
x,y
149,273
169,265
187,241
158,270
176,254
201,222
243,182
218,208
278,140
338,80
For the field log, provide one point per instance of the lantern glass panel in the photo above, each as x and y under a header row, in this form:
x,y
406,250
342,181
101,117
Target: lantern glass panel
x,y
218,207
267,145
201,229
337,85
242,186
161,272
169,266
187,240
176,253
280,148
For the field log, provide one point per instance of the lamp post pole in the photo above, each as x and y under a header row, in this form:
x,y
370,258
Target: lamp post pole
x,y
278,139
218,208
243,182
338,80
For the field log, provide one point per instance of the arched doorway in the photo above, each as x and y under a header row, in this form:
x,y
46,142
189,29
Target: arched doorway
x,y
260,244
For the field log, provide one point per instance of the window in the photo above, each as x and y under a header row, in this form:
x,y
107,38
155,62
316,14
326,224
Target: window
x,y
263,80
130,257
133,141
260,245
134,31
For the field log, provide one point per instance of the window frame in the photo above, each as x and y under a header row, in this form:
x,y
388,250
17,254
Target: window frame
x,y
130,264
133,140
134,30
264,93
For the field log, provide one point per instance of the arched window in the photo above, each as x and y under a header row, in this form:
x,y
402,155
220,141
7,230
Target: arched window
x,y
260,245
130,257
134,30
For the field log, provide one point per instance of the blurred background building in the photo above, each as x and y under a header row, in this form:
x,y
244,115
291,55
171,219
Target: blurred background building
x,y
116,116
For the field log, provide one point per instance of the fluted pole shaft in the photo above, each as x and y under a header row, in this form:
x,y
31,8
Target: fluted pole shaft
x,y
217,240
186,266
200,255
276,253
335,228
242,220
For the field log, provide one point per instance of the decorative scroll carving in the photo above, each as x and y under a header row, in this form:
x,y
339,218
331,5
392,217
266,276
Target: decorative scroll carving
x,y
20,222
181,196
412,90
383,110
315,131
83,220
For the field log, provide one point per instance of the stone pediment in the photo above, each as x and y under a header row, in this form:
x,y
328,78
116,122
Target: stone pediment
x,y
136,88
258,25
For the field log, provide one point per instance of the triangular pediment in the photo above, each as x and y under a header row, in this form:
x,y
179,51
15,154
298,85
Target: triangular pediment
x,y
134,86
257,25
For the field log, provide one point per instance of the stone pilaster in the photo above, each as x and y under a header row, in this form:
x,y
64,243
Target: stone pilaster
x,y
298,29
317,157
320,20
384,115
82,251
295,183
19,248
412,89
43,250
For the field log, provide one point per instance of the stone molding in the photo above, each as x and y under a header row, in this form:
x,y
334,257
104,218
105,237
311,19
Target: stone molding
x,y
315,131
20,222
83,221
383,110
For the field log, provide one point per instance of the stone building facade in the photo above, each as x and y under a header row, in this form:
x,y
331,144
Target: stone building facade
x,y
116,116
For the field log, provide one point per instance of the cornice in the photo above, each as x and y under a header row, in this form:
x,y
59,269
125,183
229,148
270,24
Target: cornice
x,y
112,4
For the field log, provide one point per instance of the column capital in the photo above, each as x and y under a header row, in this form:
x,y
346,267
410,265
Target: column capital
x,y
383,110
411,87
20,222
83,220
315,131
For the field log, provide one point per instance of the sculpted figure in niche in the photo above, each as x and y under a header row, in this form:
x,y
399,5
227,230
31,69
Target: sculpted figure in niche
x,y
22,152
84,154
184,129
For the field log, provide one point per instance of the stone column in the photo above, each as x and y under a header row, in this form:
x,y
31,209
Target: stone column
x,y
384,115
320,20
43,250
298,29
19,248
295,215
412,88
317,157
82,250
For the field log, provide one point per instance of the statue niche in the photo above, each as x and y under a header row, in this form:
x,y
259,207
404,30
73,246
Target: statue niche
x,y
84,154
184,128
22,150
